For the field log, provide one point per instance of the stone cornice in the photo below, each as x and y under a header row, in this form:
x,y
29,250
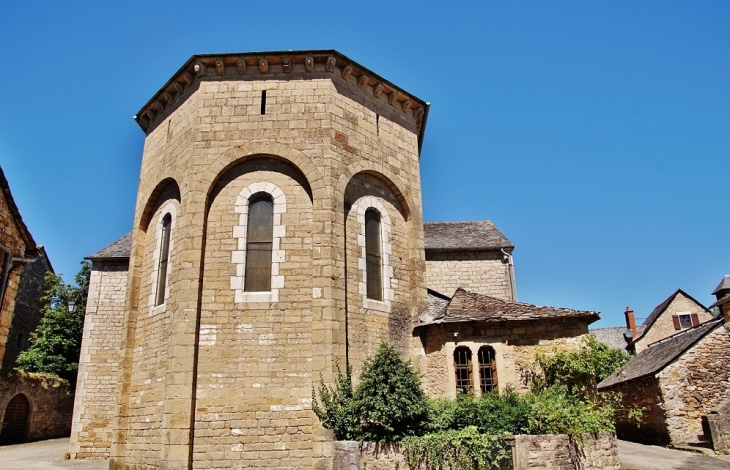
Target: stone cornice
x,y
277,66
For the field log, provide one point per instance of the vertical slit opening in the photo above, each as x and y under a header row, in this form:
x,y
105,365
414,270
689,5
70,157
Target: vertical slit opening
x,y
263,101
377,124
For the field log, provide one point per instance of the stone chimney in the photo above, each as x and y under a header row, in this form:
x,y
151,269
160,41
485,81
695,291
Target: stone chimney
x,y
630,322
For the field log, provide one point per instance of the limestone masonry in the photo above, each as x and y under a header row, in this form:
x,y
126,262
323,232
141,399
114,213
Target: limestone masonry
x,y
278,233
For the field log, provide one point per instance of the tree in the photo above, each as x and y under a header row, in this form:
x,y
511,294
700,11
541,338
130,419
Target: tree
x,y
56,343
389,402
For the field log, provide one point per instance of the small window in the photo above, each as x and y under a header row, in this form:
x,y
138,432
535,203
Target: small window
x,y
373,258
259,240
487,369
19,341
462,368
164,257
685,320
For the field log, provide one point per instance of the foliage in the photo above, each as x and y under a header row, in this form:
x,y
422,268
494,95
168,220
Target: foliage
x,y
465,449
336,412
389,403
578,371
56,343
491,413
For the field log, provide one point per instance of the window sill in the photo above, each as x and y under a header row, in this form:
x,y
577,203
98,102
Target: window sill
x,y
379,305
242,297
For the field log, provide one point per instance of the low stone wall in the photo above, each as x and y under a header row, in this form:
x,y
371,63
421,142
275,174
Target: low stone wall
x,y
599,452
717,429
50,399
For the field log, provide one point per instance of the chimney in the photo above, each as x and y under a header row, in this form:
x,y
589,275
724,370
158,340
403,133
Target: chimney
x,y
630,322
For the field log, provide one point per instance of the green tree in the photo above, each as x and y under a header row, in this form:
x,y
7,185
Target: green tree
x,y
335,410
56,343
389,403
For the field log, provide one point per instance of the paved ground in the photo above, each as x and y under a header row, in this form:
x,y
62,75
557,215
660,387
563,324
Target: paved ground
x,y
640,457
46,455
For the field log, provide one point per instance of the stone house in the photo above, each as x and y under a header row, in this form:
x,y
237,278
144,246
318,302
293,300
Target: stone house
x,y
722,294
278,234
676,381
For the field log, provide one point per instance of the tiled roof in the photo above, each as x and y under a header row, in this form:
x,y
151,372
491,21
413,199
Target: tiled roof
x,y
464,235
724,284
437,303
120,249
659,309
468,306
660,354
721,301
30,244
612,337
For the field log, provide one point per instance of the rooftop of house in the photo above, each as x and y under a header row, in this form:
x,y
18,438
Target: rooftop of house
x,y
30,243
475,235
659,309
467,306
724,284
118,250
612,337
658,355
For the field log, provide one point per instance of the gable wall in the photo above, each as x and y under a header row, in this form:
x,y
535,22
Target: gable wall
x,y
696,384
482,272
663,326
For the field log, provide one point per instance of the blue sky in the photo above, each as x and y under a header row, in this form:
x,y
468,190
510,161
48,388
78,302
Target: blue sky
x,y
595,135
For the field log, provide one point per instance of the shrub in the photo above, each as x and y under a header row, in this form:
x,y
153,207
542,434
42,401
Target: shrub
x,y
389,403
465,449
336,412
492,413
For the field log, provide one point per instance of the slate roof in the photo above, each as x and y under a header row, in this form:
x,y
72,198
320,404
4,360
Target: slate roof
x,y
467,306
464,236
118,250
721,301
612,337
658,355
659,309
724,284
30,243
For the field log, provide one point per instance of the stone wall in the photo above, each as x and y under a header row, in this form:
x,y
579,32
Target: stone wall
x,y
543,452
50,398
515,345
99,362
717,429
27,312
482,272
646,394
696,384
663,326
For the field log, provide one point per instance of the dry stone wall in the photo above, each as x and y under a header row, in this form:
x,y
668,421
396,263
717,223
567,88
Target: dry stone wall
x,y
483,272
663,326
646,394
9,237
50,398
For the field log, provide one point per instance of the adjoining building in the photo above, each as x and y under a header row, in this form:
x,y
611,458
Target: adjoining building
x,y
278,235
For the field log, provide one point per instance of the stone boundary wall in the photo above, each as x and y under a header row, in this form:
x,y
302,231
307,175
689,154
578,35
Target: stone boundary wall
x,y
542,452
51,402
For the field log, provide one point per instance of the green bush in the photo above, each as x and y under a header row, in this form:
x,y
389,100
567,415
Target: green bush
x,y
335,412
389,403
465,449
491,413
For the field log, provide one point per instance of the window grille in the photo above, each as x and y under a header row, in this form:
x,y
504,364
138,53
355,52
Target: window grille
x,y
487,369
463,370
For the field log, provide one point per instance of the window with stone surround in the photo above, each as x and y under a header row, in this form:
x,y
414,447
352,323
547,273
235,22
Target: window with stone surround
x,y
258,254
375,251
487,369
463,370
162,265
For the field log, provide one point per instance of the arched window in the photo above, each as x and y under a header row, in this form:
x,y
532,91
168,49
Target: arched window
x,y
487,369
373,255
462,368
164,257
259,238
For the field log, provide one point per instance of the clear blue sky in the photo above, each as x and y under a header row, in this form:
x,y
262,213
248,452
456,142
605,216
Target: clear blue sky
x,y
595,135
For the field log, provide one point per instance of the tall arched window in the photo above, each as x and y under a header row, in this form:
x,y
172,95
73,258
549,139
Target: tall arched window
x,y
373,256
259,238
164,257
462,368
487,369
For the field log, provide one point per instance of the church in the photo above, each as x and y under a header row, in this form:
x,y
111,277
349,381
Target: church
x,y
278,235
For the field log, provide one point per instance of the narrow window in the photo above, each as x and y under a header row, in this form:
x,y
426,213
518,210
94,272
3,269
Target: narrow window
x,y
487,369
19,341
462,367
377,124
164,256
263,101
373,262
259,237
